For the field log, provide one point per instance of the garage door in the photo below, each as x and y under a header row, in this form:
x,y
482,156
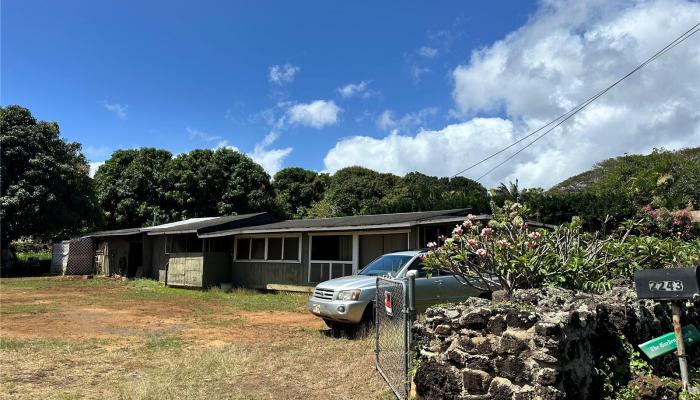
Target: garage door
x,y
373,246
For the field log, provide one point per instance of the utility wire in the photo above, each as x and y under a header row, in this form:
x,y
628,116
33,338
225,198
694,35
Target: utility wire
x,y
567,115
659,54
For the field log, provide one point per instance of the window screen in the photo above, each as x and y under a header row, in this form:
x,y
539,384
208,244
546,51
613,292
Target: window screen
x,y
274,248
257,249
291,248
331,248
243,249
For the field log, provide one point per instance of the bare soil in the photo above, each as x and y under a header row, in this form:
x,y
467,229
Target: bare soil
x,y
107,339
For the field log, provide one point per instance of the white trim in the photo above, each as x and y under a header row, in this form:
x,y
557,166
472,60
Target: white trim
x,y
409,224
330,262
355,253
347,228
250,239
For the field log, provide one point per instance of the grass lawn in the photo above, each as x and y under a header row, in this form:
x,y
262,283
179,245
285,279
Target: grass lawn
x,y
101,338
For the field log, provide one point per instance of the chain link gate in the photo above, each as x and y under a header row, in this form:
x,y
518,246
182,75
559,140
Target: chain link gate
x,y
394,311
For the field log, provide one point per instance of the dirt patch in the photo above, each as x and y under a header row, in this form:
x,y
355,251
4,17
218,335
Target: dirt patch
x,y
94,339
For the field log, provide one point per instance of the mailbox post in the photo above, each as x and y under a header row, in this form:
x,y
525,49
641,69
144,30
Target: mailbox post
x,y
674,285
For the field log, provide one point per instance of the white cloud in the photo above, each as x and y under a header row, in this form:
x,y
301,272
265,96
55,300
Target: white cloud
x,y
270,159
431,152
387,120
359,89
281,74
566,52
117,109
316,114
427,52
194,133
224,144
94,166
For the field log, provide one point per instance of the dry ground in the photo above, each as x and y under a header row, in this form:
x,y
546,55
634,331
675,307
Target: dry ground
x,y
100,338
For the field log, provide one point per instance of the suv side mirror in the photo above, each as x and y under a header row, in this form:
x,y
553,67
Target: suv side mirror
x,y
412,273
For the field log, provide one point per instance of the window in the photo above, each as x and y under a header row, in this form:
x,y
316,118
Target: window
x,y
183,243
275,248
243,249
331,248
331,257
421,273
257,249
291,248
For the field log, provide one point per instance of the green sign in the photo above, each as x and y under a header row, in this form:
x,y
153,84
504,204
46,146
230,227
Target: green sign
x,y
667,343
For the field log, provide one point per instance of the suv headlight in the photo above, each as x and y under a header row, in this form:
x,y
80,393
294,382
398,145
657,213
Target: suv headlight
x,y
349,294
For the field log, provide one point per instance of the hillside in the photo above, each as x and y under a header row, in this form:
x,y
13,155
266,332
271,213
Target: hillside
x,y
664,178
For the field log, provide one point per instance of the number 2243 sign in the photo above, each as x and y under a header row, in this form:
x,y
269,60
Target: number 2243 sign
x,y
666,286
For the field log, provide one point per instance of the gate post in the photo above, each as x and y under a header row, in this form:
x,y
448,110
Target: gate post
x,y
411,296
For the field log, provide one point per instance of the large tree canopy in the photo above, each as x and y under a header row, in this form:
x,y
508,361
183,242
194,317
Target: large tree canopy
x,y
131,187
296,190
46,190
136,186
222,182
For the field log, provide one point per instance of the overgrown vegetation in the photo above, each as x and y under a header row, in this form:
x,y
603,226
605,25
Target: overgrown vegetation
x,y
512,255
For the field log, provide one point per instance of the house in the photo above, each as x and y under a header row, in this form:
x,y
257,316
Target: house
x,y
148,251
294,255
179,257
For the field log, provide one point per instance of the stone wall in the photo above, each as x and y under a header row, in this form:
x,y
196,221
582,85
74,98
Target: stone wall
x,y
545,343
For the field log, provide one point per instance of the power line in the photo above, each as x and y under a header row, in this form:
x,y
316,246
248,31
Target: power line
x,y
572,114
567,115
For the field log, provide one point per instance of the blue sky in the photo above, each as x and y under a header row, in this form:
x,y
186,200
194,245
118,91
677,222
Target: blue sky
x,y
310,84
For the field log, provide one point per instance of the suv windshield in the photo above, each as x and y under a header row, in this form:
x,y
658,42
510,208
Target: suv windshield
x,y
384,265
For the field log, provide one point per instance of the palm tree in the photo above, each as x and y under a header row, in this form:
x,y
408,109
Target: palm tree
x,y
510,192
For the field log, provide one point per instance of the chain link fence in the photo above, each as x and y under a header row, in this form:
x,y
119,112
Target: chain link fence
x,y
392,324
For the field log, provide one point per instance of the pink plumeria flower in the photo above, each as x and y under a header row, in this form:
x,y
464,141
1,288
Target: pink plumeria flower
x,y
486,232
467,224
432,245
531,245
472,242
457,230
503,243
470,217
481,252
534,235
516,206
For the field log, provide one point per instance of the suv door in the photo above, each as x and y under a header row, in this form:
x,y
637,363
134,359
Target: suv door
x,y
452,290
426,287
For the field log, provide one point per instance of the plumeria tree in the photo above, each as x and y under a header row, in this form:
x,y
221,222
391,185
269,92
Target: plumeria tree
x,y
509,254
502,253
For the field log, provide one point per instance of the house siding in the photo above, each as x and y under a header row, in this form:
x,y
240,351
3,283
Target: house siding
x,y
272,275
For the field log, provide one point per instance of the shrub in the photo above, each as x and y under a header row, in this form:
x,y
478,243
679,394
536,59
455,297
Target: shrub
x,y
508,253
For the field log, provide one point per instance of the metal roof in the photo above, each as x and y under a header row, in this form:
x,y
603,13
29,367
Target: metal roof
x,y
227,222
357,222
190,225
116,232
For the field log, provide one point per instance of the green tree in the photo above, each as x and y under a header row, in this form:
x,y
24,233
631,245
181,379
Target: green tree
x,y
358,190
296,190
131,187
420,192
46,191
221,182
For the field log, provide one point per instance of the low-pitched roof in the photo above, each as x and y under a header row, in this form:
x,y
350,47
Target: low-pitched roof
x,y
229,222
190,225
116,232
356,222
